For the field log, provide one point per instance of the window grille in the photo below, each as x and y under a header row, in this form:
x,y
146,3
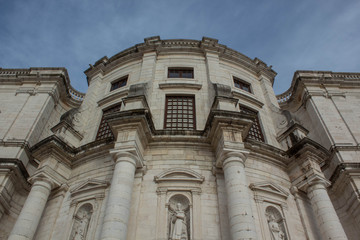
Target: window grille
x,y
180,113
104,128
255,130
180,73
119,83
242,85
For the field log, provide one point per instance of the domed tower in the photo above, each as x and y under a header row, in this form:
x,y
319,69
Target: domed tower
x,y
177,140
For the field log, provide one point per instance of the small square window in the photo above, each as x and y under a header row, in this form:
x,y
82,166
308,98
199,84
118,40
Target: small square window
x,y
119,83
180,73
238,83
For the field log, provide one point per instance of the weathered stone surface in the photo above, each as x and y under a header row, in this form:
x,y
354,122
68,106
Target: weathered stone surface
x,y
141,180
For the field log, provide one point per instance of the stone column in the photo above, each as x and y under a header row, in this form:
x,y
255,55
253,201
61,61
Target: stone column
x,y
119,202
29,218
241,220
329,223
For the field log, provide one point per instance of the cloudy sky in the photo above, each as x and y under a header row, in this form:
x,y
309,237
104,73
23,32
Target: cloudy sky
x,y
287,34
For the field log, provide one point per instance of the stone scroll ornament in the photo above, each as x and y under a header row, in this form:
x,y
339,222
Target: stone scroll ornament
x,y
81,223
179,218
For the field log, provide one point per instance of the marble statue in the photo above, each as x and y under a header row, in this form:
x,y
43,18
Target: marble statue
x,y
275,230
178,224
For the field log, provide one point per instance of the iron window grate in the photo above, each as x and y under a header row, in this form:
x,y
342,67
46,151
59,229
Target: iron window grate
x,y
255,131
104,128
180,113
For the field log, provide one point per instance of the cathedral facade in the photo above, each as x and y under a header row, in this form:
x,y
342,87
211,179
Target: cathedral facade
x,y
179,140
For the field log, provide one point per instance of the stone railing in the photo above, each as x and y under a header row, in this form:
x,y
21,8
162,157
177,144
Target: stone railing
x,y
346,75
284,97
78,96
14,71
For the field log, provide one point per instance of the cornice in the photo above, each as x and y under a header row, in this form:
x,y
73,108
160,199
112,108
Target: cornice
x,y
318,78
66,152
38,75
21,144
155,44
17,166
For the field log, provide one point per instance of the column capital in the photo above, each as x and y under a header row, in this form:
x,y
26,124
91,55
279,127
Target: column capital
x,y
129,156
311,182
47,174
239,157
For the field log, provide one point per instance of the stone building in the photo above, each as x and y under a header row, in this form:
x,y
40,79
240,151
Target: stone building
x,y
181,140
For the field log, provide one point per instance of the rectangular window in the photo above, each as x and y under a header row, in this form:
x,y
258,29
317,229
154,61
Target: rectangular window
x,y
180,73
180,113
104,128
255,130
242,85
119,83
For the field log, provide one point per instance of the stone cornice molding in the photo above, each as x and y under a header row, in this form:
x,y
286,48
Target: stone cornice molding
x,y
180,45
16,171
93,187
66,151
342,170
42,75
21,144
181,85
179,174
63,125
247,97
308,146
113,96
316,78
267,153
270,188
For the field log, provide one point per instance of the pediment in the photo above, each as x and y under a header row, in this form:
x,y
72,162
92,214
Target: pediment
x,y
89,185
179,174
269,187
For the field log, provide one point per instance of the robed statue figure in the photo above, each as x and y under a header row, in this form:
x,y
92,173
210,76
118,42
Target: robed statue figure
x,y
178,224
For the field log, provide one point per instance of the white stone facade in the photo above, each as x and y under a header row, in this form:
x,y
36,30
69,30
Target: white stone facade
x,y
254,166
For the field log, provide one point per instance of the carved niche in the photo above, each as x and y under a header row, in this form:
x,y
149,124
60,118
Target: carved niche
x,y
81,222
179,218
86,198
179,204
276,223
272,208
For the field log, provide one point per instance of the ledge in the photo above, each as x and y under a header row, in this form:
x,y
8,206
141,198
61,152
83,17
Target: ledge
x,y
180,85
116,95
249,98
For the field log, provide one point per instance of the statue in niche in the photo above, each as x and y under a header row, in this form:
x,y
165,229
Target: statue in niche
x,y
81,223
275,230
179,218
178,224
276,224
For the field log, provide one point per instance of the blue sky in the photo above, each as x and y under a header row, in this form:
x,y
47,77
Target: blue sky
x,y
287,34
